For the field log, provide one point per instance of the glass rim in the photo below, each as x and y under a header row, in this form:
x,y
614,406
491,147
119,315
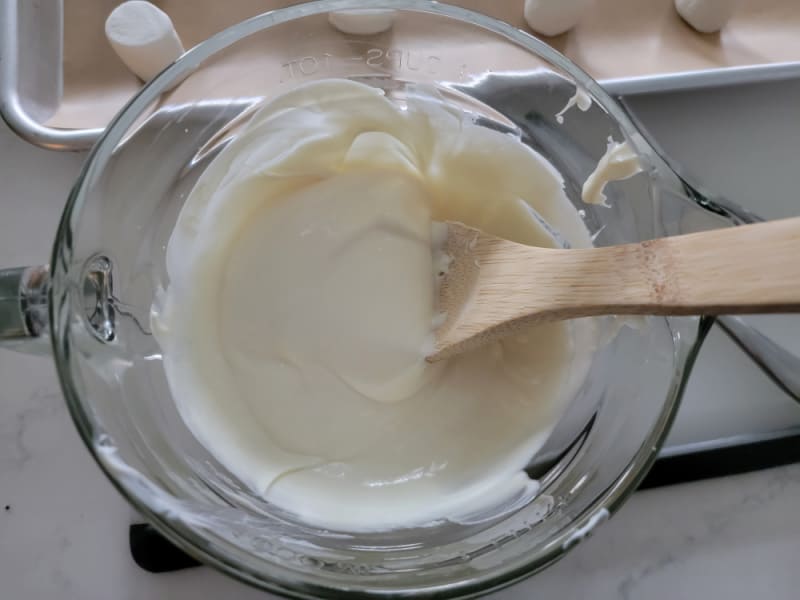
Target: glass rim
x,y
177,531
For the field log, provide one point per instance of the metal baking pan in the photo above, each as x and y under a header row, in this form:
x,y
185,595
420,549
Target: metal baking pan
x,y
60,83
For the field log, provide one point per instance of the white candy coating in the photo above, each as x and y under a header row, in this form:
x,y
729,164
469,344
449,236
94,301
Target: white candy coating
x,y
143,37
368,21
554,17
706,16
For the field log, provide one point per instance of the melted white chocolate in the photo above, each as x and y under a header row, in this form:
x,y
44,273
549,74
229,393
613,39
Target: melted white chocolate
x,y
619,162
301,301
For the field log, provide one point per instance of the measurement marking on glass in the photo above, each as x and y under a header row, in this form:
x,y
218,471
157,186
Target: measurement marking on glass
x,y
380,59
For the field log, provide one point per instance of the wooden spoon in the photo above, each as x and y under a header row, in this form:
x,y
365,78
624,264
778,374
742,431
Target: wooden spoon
x,y
493,286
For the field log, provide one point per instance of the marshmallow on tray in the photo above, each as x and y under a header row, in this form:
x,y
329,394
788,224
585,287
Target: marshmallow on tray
x,y
706,16
554,17
143,37
367,21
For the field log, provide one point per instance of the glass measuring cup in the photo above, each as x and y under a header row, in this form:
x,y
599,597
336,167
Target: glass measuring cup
x,y
108,263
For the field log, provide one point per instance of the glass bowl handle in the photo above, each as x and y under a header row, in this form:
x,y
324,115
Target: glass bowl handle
x,y
23,309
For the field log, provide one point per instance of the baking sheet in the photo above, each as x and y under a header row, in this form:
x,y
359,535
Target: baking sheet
x,y
616,39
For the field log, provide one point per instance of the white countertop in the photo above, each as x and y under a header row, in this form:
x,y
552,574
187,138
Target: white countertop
x,y
64,529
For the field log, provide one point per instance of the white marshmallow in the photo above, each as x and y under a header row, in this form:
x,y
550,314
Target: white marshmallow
x,y
706,16
143,37
368,21
554,17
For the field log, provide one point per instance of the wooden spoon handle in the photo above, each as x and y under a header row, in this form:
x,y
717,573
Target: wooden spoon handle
x,y
746,269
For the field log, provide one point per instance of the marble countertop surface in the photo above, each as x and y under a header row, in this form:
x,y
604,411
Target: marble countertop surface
x,y
64,529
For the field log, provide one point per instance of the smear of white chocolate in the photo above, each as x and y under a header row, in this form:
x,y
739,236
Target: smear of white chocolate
x,y
619,162
580,98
